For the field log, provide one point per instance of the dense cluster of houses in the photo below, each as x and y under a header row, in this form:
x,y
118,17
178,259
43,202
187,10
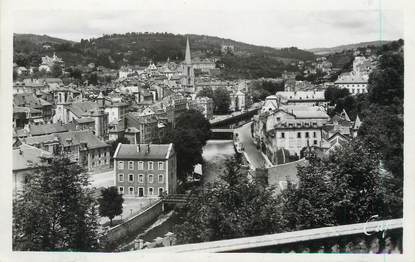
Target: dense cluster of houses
x,y
140,105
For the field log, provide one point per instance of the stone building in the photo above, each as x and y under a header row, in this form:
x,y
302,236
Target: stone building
x,y
145,170
82,147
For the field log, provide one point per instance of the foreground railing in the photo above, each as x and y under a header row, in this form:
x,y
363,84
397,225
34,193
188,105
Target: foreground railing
x,y
371,237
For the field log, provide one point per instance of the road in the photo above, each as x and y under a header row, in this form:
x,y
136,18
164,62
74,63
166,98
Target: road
x,y
104,179
131,206
254,156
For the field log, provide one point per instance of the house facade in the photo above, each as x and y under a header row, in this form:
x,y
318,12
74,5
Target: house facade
x,y
145,170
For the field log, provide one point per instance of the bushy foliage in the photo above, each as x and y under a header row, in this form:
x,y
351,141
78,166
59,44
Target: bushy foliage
x,y
56,210
348,187
231,207
110,203
190,134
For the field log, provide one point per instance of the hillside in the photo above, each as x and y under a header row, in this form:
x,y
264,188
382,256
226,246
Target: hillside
x,y
116,50
39,39
341,48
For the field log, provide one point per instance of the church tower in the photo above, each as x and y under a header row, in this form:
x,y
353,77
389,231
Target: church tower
x,y
189,85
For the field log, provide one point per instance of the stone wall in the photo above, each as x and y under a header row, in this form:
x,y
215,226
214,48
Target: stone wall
x,y
134,224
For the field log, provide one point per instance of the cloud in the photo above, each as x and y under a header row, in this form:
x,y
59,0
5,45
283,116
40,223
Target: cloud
x,y
277,28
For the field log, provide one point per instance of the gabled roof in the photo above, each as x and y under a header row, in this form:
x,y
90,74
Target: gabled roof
x,y
80,108
37,130
144,151
69,138
26,157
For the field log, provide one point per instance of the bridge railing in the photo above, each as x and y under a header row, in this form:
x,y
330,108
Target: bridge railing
x,y
332,235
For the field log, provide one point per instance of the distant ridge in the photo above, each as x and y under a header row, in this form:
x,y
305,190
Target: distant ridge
x,y
340,48
40,39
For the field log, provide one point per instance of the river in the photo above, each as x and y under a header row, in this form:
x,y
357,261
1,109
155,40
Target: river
x,y
214,153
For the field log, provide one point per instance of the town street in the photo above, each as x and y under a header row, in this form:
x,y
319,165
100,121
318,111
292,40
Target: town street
x,y
254,156
104,179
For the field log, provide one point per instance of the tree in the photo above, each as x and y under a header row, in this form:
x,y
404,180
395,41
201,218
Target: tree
x,y
348,187
386,84
188,147
229,208
222,100
382,130
56,70
56,210
333,94
190,135
110,203
206,92
193,119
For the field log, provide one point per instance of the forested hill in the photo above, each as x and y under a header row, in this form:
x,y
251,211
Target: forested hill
x,y
139,48
341,48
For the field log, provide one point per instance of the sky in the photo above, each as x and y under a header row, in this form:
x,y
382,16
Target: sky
x,y
275,27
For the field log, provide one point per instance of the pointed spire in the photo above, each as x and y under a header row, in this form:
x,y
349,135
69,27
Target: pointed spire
x,y
357,123
345,115
188,58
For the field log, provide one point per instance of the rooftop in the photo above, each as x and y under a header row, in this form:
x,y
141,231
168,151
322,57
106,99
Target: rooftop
x,y
144,151
25,157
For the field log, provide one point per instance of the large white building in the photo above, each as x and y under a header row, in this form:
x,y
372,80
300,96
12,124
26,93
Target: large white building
x,y
356,83
290,127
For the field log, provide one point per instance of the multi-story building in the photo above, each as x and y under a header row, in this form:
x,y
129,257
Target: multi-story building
x,y
147,126
145,170
356,83
290,127
26,160
204,105
306,98
34,105
238,101
82,147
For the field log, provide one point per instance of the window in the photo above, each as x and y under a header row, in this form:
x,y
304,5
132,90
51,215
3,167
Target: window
x,y
121,190
140,165
299,135
130,165
282,135
140,178
307,135
131,190
278,118
150,178
315,142
150,165
160,179
161,165
160,191
314,134
130,178
120,164
121,177
150,191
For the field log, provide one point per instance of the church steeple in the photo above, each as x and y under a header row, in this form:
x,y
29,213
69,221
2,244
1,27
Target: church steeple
x,y
188,58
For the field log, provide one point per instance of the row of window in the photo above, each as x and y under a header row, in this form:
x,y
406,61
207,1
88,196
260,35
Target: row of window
x,y
307,135
140,165
150,178
356,85
358,91
140,191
